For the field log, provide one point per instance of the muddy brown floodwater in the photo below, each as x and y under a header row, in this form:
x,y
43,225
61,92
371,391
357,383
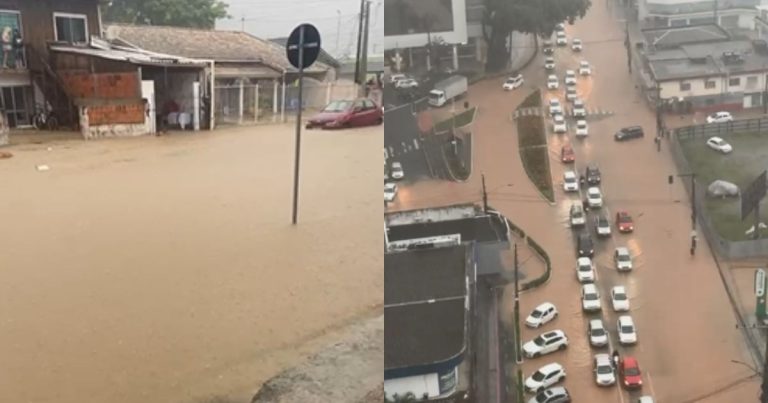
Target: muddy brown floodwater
x,y
166,269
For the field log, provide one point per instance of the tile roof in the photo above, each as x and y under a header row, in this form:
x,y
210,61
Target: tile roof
x,y
220,46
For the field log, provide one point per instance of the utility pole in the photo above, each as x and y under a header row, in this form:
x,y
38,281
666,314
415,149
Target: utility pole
x,y
693,196
518,339
359,42
338,32
242,24
485,195
765,92
627,45
764,373
364,48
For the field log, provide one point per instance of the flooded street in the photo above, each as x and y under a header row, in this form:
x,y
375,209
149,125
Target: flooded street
x,y
166,269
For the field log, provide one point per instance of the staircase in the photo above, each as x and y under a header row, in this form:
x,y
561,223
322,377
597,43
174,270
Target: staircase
x,y
53,89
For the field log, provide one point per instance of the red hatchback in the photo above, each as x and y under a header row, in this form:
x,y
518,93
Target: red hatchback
x,y
347,113
624,222
567,155
629,371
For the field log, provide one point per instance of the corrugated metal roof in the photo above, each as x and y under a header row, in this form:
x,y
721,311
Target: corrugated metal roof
x,y
131,56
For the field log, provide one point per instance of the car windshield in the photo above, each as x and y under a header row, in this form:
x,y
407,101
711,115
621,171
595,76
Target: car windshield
x,y
569,179
602,222
620,297
585,267
536,313
624,218
627,329
597,332
338,106
581,125
590,297
623,258
538,376
632,371
594,193
604,370
539,341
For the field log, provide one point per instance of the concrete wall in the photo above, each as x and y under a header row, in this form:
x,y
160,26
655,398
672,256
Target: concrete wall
x,y
100,129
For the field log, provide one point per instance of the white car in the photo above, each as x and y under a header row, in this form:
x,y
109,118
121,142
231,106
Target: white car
x,y
555,107
619,299
549,63
397,77
558,124
604,371
561,39
560,27
577,215
720,117
576,45
645,399
598,336
570,77
546,343
571,94
594,197
579,109
602,226
513,82
390,191
570,182
625,327
623,259
585,271
541,315
584,68
545,377
718,144
581,128
397,171
552,82
406,83
590,298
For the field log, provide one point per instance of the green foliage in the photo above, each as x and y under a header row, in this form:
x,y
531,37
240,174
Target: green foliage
x,y
531,131
462,119
531,101
179,13
537,17
547,262
534,154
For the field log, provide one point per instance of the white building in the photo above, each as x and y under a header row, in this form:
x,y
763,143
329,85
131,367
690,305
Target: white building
x,y
739,14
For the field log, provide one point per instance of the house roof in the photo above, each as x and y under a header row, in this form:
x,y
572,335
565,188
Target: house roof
x,y
424,307
324,57
706,60
219,46
664,38
134,56
480,229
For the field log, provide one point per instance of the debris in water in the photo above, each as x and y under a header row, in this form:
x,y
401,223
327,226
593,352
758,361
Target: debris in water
x,y
43,168
5,154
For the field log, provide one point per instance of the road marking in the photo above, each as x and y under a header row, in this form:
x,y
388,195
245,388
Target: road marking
x,y
391,151
416,144
402,143
409,147
386,154
650,383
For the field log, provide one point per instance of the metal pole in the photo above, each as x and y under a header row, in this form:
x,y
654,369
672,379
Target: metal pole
x,y
756,235
359,42
764,385
518,338
765,93
485,195
298,129
364,49
693,201
627,44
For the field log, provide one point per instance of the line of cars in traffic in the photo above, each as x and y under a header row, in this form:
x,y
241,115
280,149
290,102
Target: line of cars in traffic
x,y
607,370
570,80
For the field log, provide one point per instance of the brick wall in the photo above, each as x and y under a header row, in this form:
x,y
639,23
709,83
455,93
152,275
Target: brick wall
x,y
115,114
107,85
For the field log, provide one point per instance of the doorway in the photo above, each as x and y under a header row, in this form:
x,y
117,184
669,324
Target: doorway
x,y
14,101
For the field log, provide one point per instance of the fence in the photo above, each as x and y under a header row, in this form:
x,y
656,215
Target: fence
x,y
723,247
271,102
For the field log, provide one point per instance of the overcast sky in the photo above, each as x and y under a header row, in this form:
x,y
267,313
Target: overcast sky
x,y
276,18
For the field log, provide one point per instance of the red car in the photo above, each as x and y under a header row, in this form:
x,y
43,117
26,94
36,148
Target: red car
x,y
624,222
629,371
347,113
567,155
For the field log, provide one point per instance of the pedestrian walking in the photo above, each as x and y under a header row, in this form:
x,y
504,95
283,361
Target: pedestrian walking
x,y
693,242
615,358
658,143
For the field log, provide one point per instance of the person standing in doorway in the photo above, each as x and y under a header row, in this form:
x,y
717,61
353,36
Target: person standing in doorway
x,y
18,50
7,42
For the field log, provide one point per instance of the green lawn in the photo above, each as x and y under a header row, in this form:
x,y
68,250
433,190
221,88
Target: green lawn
x,y
532,140
459,120
748,159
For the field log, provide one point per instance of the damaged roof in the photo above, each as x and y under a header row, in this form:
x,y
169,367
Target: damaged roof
x,y
219,46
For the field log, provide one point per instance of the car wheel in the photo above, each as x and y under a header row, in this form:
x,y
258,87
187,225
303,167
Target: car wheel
x,y
379,121
536,355
555,315
562,347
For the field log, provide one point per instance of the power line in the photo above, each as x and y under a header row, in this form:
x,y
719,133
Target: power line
x,y
267,20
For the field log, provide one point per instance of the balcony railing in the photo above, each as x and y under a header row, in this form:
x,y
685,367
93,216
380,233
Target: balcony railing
x,y
14,59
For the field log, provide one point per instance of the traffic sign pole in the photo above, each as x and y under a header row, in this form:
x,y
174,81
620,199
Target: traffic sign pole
x,y
298,129
760,287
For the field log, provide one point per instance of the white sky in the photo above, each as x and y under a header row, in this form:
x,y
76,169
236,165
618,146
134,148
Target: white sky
x,y
276,18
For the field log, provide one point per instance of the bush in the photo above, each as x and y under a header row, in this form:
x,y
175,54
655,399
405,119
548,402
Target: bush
x,y
547,263
462,119
530,131
536,164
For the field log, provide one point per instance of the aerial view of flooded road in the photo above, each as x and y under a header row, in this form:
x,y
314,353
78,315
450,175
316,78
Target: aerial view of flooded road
x,y
165,269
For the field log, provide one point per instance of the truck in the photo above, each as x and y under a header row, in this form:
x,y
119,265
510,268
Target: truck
x,y
448,89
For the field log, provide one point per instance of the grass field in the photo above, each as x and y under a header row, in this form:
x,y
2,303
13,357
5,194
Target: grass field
x,y
748,159
532,140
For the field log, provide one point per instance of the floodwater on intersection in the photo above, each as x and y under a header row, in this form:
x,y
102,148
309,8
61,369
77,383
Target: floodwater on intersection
x,y
166,269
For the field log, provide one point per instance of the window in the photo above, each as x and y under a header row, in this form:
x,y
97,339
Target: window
x,y
71,28
685,86
709,84
734,82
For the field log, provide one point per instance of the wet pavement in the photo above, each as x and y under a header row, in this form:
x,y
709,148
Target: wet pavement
x,y
166,269
686,325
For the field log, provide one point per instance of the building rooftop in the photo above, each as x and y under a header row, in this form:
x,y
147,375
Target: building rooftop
x,y
219,46
665,38
425,294
424,274
480,229
706,59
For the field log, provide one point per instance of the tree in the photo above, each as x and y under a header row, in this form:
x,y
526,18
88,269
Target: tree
x,y
178,13
538,17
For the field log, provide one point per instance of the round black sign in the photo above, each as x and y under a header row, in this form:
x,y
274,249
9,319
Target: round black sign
x,y
311,41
